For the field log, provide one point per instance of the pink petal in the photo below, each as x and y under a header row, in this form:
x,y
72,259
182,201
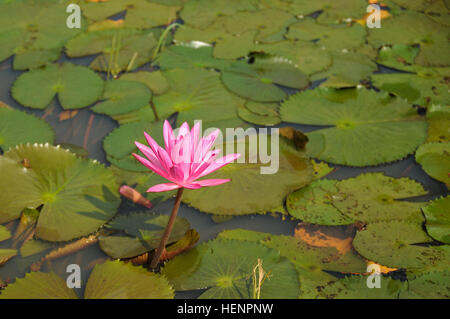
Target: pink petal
x,y
166,162
151,142
212,182
221,162
151,167
195,134
208,141
169,137
154,159
184,129
163,187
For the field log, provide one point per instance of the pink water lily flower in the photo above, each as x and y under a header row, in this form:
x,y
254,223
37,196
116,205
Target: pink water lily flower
x,y
185,158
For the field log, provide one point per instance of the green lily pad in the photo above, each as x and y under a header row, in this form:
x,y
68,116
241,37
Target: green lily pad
x,y
119,144
309,261
393,244
225,267
250,191
314,204
121,96
235,46
333,37
120,48
355,287
366,129
24,29
265,114
195,94
201,14
18,127
144,232
76,86
258,81
438,219
31,59
36,246
432,37
78,196
189,56
428,285
416,89
38,285
435,160
347,70
374,197
4,233
155,80
308,57
118,280
144,114
6,255
438,117
110,280
399,56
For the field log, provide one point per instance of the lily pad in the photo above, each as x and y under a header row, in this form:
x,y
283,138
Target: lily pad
x,y
393,244
374,197
250,191
437,214
428,285
6,255
265,114
314,204
438,117
195,94
76,86
121,96
118,280
78,196
24,28
226,268
375,127
307,56
415,88
258,81
119,144
32,59
435,160
110,280
120,48
144,232
355,287
155,80
431,36
310,261
18,127
4,233
331,37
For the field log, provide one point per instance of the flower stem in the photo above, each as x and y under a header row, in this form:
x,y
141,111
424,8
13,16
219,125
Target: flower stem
x,y
167,231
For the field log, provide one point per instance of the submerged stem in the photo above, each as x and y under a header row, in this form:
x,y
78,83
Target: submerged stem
x,y
167,231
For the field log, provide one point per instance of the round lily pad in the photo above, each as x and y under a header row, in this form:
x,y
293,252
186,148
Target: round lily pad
x,y
226,268
121,96
110,280
258,81
155,80
118,280
355,287
367,128
374,197
144,232
119,144
428,285
438,219
18,127
76,86
435,161
438,117
265,114
78,196
6,254
393,244
314,204
189,56
254,187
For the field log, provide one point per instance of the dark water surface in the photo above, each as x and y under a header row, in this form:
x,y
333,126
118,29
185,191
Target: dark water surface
x,y
88,130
